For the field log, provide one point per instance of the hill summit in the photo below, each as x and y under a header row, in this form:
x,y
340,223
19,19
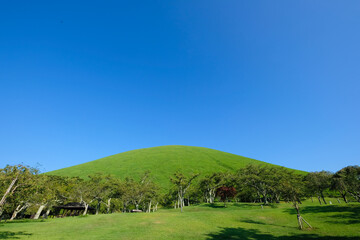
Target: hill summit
x,y
162,162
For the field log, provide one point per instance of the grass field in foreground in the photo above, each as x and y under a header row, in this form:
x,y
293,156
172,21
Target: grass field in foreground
x,y
238,221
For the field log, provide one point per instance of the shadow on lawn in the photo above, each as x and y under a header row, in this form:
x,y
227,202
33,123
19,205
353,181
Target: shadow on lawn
x,y
348,214
262,223
239,205
12,235
255,205
22,221
247,234
214,205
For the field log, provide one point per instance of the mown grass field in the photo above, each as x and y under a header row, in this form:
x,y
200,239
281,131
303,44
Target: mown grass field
x,y
162,162
238,221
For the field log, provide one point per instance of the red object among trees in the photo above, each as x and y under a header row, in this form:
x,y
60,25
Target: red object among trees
x,y
225,193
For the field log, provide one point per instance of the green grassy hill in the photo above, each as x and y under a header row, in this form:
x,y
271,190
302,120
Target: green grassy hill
x,y
162,162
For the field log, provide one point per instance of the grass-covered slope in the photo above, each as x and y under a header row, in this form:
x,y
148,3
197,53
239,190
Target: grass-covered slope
x,y
162,162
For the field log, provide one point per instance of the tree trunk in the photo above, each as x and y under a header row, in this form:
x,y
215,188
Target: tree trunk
x,y
37,215
277,197
16,211
323,198
181,205
298,216
2,201
149,209
124,207
14,215
319,199
299,221
47,213
265,198
108,205
97,208
344,197
86,209
211,194
180,201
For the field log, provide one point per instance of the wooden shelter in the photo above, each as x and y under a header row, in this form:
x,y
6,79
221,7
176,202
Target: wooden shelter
x,y
70,209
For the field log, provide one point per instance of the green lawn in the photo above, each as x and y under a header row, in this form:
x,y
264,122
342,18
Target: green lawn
x,y
238,221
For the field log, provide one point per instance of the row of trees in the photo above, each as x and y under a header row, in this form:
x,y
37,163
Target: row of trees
x,y
270,184
26,193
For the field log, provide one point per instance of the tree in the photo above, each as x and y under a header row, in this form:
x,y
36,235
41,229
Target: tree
x,y
338,184
318,182
193,195
13,177
59,190
44,196
225,193
209,184
257,177
293,189
124,191
83,192
23,196
182,183
112,185
350,176
275,176
101,189
142,191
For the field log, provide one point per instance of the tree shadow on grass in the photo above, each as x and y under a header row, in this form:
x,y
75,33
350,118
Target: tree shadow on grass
x,y
251,234
247,205
329,208
250,221
239,205
344,218
13,235
22,221
349,214
256,205
212,205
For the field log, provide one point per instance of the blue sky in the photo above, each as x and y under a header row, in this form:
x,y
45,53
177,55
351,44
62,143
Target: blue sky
x,y
272,80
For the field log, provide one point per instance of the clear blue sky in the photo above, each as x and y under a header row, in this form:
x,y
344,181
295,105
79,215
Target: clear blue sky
x,y
277,81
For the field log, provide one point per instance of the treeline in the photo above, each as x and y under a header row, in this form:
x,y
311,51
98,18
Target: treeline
x,y
272,184
27,194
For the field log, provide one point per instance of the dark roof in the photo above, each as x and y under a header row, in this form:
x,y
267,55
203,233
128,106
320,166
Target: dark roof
x,y
73,205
